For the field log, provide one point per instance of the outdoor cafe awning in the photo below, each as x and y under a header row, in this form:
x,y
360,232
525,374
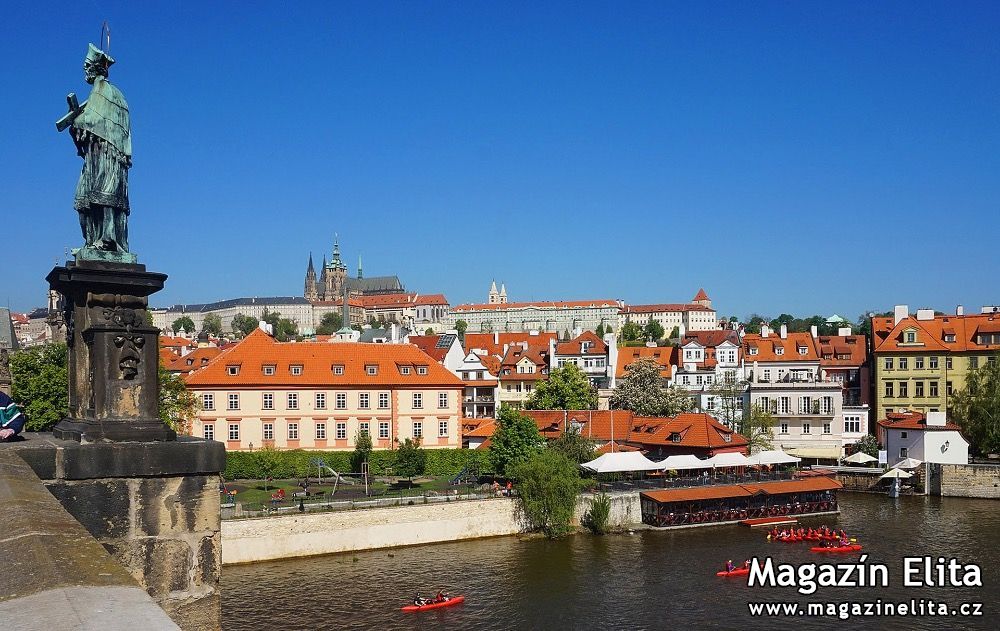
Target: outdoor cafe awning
x,y
621,461
684,462
818,453
728,459
774,456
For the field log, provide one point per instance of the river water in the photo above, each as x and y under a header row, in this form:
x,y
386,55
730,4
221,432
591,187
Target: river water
x,y
648,580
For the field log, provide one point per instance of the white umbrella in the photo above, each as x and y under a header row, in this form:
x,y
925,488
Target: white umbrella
x,y
775,456
896,473
621,461
860,458
908,463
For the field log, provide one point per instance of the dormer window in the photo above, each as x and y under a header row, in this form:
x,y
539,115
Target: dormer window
x,y
232,370
269,370
371,369
949,337
404,370
675,437
727,438
421,370
295,369
338,369
753,350
803,350
910,337
779,350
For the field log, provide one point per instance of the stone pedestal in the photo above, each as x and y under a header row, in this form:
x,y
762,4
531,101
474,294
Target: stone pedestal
x,y
113,353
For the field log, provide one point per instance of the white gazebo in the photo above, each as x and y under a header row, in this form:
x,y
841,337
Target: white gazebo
x,y
621,462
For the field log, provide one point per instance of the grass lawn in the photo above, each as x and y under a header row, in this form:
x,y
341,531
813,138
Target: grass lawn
x,y
250,492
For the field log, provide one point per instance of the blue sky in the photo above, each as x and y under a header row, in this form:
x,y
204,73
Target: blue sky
x,y
788,156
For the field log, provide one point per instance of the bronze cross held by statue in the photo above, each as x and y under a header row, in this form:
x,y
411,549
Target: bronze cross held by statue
x,y
74,110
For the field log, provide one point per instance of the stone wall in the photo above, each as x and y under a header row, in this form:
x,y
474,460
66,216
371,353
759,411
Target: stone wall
x,y
154,506
970,480
625,509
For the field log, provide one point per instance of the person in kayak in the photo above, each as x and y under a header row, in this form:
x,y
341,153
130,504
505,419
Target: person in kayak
x,y
729,565
441,596
419,600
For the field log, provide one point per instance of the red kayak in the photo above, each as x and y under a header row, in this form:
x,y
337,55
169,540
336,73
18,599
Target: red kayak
x,y
851,548
454,600
741,571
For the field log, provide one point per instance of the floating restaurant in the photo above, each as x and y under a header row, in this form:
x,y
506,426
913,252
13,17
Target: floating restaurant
x,y
736,502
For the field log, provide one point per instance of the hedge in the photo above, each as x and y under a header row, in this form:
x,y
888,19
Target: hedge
x,y
246,465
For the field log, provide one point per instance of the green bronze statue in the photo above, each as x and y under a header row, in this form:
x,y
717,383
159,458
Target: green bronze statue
x,y
101,131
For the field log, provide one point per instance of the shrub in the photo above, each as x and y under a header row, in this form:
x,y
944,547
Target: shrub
x,y
294,463
547,485
596,519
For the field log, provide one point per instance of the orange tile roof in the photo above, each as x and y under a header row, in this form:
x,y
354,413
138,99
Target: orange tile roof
x,y
195,360
545,304
339,302
167,356
913,420
711,339
743,490
931,334
494,343
663,308
842,350
515,355
428,344
431,299
176,342
614,447
766,347
388,300
701,295
484,429
664,356
259,349
573,347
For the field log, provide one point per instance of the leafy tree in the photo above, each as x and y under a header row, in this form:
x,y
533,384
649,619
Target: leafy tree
x,y
362,449
429,331
330,323
39,385
574,446
461,326
642,391
596,519
514,440
284,329
567,388
631,331
244,325
547,486
653,330
212,324
147,317
754,322
675,332
183,322
600,330
728,393
976,407
410,458
869,445
864,325
756,426
267,459
784,318
176,403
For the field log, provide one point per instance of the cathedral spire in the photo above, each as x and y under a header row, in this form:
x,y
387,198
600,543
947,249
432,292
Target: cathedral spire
x,y
311,269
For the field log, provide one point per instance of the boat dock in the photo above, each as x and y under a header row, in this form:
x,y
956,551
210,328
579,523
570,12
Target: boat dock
x,y
769,521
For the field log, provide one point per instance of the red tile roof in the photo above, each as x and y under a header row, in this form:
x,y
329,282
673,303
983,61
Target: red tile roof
x,y
431,299
664,356
597,346
914,421
711,339
701,295
494,343
317,360
767,347
167,341
931,334
388,301
614,447
807,485
842,350
553,304
663,308
167,356
196,359
428,344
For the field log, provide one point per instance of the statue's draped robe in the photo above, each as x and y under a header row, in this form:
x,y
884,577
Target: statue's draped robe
x,y
103,138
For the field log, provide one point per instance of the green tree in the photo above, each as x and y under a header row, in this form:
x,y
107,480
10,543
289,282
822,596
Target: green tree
x,y
600,330
567,388
461,326
653,330
728,393
756,426
362,449
212,324
631,331
176,403
183,322
675,333
514,440
244,325
410,458
864,326
642,391
596,519
547,486
284,329
869,445
147,317
976,407
39,385
428,331
574,446
266,460
330,323
754,322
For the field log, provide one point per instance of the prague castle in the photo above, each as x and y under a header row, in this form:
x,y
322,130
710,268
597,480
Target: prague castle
x,y
333,280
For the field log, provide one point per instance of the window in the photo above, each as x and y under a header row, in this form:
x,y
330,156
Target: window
x,y
208,432
295,369
888,363
404,370
918,363
232,371
234,431
903,363
949,337
903,452
292,400
267,401
948,389
767,375
341,431
710,403
363,427
293,431
805,405
911,337
827,429
418,429
234,401
383,400
934,363
383,430
320,431
806,428
888,389
764,403
320,400
918,388
364,400
268,431
753,350
852,424
442,428
442,400
269,369
934,388
208,401
338,369
803,350
686,380
947,363
784,428
784,405
827,405
779,350
973,362
341,403
418,400
371,369
421,370
902,434
903,385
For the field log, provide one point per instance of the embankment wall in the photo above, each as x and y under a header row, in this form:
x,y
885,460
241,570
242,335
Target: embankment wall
x,y
970,480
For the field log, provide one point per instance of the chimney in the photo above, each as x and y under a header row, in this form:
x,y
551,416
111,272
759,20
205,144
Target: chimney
x,y
844,331
650,344
505,347
784,331
925,314
681,331
936,419
959,310
764,330
496,340
814,330
900,313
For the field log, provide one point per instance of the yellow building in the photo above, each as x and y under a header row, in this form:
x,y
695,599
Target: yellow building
x,y
920,360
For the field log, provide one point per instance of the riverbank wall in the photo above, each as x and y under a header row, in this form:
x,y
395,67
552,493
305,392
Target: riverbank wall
x,y
970,480
312,534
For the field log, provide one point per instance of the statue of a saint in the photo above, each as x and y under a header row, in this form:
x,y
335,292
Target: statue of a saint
x,y
101,132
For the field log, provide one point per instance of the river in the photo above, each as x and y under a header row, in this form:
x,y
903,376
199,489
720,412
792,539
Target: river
x,y
648,580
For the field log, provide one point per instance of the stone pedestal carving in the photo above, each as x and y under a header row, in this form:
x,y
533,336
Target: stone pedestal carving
x,y
113,353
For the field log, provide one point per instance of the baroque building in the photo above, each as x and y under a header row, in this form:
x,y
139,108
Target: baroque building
x,y
333,280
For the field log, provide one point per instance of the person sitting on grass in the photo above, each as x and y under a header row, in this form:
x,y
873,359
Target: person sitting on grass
x,y
11,418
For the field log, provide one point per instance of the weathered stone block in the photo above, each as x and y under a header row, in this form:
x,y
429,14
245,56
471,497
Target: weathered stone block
x,y
102,506
210,561
160,565
201,614
170,506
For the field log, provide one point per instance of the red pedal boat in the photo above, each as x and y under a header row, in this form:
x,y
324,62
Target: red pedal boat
x,y
453,600
851,548
740,571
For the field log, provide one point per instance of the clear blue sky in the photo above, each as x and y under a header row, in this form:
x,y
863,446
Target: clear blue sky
x,y
789,157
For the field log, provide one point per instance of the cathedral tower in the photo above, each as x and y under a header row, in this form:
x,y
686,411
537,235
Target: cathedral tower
x,y
311,291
